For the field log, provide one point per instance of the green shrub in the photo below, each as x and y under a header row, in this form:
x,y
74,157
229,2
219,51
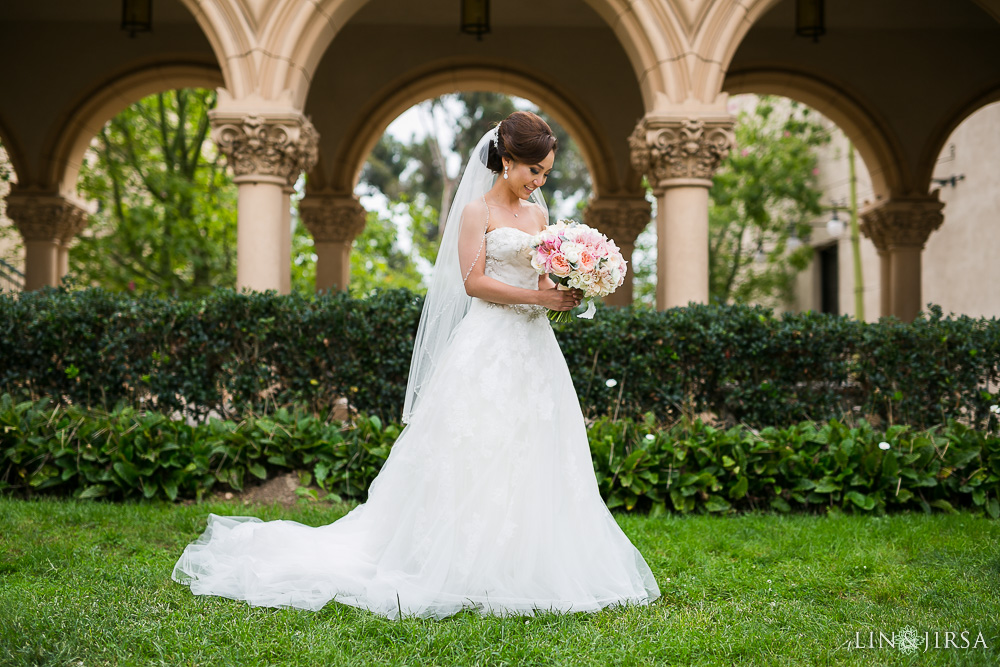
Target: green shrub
x,y
224,355
687,467
232,354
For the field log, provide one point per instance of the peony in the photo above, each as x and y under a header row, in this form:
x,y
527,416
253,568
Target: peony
x,y
559,265
587,260
540,263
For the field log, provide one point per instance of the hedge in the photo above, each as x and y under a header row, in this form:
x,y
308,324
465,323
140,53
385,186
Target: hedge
x,y
231,354
685,467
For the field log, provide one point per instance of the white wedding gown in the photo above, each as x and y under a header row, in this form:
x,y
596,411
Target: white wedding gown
x,y
487,501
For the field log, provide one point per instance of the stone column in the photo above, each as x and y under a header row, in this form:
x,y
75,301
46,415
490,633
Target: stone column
x,y
333,220
877,234
679,157
266,152
622,220
286,238
48,223
899,228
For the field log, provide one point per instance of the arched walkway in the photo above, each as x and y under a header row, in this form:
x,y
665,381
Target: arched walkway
x,y
643,30
415,88
72,137
873,140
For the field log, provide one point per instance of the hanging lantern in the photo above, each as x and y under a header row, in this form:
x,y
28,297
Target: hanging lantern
x,y
476,17
809,19
137,16
835,226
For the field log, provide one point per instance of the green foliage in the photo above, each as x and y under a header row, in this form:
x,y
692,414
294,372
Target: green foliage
x,y
11,248
687,467
763,192
831,468
224,354
166,221
743,365
128,453
228,353
378,262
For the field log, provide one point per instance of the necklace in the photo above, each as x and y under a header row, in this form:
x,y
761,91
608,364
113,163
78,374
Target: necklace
x,y
511,211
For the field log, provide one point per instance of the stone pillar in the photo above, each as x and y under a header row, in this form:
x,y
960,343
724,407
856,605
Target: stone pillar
x,y
622,220
333,220
877,234
267,152
48,223
286,238
899,228
679,157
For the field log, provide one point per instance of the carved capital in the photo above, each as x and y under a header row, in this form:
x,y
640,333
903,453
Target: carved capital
x,y
332,218
47,217
901,223
278,146
692,148
621,220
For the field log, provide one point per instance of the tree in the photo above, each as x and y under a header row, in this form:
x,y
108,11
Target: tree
x,y
377,259
415,176
166,221
763,194
11,249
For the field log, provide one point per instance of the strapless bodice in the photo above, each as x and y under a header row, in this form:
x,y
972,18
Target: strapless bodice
x,y
508,257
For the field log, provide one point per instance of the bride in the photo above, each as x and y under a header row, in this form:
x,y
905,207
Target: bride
x,y
488,499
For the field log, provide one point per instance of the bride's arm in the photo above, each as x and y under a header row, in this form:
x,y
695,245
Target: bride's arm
x,y
472,248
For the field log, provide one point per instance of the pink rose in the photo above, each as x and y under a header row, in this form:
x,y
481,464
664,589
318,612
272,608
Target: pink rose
x,y
587,260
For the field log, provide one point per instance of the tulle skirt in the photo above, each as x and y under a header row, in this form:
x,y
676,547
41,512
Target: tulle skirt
x,y
488,501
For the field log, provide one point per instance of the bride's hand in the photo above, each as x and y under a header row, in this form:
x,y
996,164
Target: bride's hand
x,y
557,299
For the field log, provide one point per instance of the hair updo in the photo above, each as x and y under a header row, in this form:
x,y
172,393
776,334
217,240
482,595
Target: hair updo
x,y
522,137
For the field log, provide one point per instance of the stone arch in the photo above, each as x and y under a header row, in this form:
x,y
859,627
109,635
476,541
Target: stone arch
x,y
342,175
936,142
875,143
302,34
65,150
719,36
722,32
228,27
13,149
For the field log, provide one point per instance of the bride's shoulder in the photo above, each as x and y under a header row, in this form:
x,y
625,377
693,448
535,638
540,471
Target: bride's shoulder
x,y
539,215
474,210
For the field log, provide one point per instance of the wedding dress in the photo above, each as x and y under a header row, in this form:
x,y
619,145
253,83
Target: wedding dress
x,y
488,499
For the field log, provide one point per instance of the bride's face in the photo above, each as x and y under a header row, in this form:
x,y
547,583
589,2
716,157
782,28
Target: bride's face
x,y
524,178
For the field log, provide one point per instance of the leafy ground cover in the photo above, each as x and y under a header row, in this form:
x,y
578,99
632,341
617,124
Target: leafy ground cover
x,y
88,583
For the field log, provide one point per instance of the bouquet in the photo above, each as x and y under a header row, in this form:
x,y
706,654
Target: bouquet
x,y
578,257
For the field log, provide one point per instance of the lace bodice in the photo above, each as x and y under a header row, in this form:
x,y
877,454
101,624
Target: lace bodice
x,y
508,257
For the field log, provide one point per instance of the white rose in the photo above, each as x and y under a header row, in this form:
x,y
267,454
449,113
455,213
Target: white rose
x,y
572,251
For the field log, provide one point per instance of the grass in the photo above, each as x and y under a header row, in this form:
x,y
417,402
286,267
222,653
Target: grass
x,y
86,583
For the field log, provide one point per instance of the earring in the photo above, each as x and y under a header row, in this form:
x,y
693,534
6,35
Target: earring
x,y
505,177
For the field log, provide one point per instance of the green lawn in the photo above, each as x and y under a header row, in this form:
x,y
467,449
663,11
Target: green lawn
x,y
86,583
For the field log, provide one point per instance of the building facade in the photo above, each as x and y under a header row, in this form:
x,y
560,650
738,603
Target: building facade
x,y
308,86
958,268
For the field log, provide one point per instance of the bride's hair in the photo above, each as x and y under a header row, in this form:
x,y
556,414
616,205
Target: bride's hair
x,y
522,137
